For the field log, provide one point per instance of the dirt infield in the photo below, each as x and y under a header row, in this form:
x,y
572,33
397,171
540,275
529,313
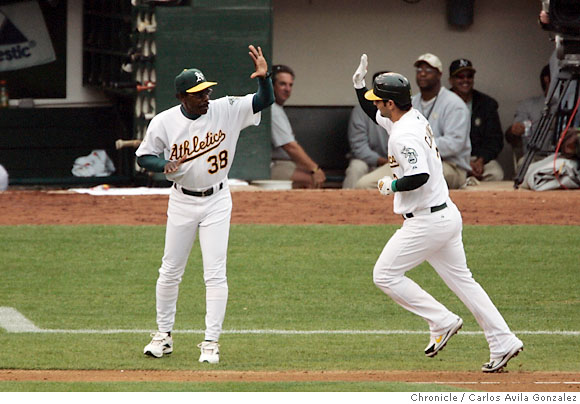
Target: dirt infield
x,y
289,207
516,382
490,207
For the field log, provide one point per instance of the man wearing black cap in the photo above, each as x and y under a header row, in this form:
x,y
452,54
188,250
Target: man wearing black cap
x,y
486,134
198,141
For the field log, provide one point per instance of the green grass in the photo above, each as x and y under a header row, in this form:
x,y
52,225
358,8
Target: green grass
x,y
280,277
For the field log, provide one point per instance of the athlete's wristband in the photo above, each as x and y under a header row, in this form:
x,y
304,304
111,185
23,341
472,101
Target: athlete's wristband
x,y
394,186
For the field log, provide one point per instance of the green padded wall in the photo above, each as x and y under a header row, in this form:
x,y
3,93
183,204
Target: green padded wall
x,y
213,36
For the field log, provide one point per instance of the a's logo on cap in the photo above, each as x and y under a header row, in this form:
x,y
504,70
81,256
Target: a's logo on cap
x,y
199,76
463,63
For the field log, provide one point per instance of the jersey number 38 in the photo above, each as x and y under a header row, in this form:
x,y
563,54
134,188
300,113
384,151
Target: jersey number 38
x,y
218,161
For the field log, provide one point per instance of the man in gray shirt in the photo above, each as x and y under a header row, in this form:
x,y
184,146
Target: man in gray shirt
x,y
528,112
289,160
368,151
448,117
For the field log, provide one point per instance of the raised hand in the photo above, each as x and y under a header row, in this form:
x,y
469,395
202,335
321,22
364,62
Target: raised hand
x,y
259,62
358,79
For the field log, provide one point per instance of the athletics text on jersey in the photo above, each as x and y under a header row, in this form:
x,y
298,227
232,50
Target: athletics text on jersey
x,y
208,142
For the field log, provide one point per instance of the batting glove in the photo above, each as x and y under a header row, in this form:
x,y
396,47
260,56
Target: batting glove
x,y
384,185
358,79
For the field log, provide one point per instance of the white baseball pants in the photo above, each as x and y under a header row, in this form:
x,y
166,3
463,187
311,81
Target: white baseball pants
x,y
185,214
436,238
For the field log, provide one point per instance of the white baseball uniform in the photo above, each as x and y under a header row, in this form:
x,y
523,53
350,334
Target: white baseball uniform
x,y
210,144
432,235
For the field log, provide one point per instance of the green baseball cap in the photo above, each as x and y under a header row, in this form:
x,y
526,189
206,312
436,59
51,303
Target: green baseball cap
x,y
191,81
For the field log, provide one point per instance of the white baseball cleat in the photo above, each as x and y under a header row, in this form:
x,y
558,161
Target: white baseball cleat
x,y
497,364
161,344
437,343
210,352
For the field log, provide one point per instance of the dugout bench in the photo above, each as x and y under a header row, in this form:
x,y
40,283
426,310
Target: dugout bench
x,y
323,132
38,146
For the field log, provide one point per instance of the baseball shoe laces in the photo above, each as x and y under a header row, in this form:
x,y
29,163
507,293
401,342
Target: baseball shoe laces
x,y
210,352
161,344
438,342
497,364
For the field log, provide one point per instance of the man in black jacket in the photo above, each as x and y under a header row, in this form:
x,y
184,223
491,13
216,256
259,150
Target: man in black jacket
x,y
486,133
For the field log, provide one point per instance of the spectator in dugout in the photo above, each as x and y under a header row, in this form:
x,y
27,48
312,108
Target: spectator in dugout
x,y
368,156
289,159
528,111
448,117
486,134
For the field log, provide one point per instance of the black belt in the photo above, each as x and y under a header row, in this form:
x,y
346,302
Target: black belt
x,y
433,210
205,192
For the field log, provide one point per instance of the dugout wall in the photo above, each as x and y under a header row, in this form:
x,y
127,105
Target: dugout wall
x,y
131,53
213,36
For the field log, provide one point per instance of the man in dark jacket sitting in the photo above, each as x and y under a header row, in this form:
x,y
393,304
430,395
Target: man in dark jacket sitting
x,y
486,133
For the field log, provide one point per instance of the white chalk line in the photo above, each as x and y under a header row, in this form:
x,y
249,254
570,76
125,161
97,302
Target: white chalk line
x,y
489,383
13,321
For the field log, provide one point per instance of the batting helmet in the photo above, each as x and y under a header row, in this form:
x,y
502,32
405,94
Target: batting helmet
x,y
391,86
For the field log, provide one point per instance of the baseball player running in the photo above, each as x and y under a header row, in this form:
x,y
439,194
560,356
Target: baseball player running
x,y
432,227
198,140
